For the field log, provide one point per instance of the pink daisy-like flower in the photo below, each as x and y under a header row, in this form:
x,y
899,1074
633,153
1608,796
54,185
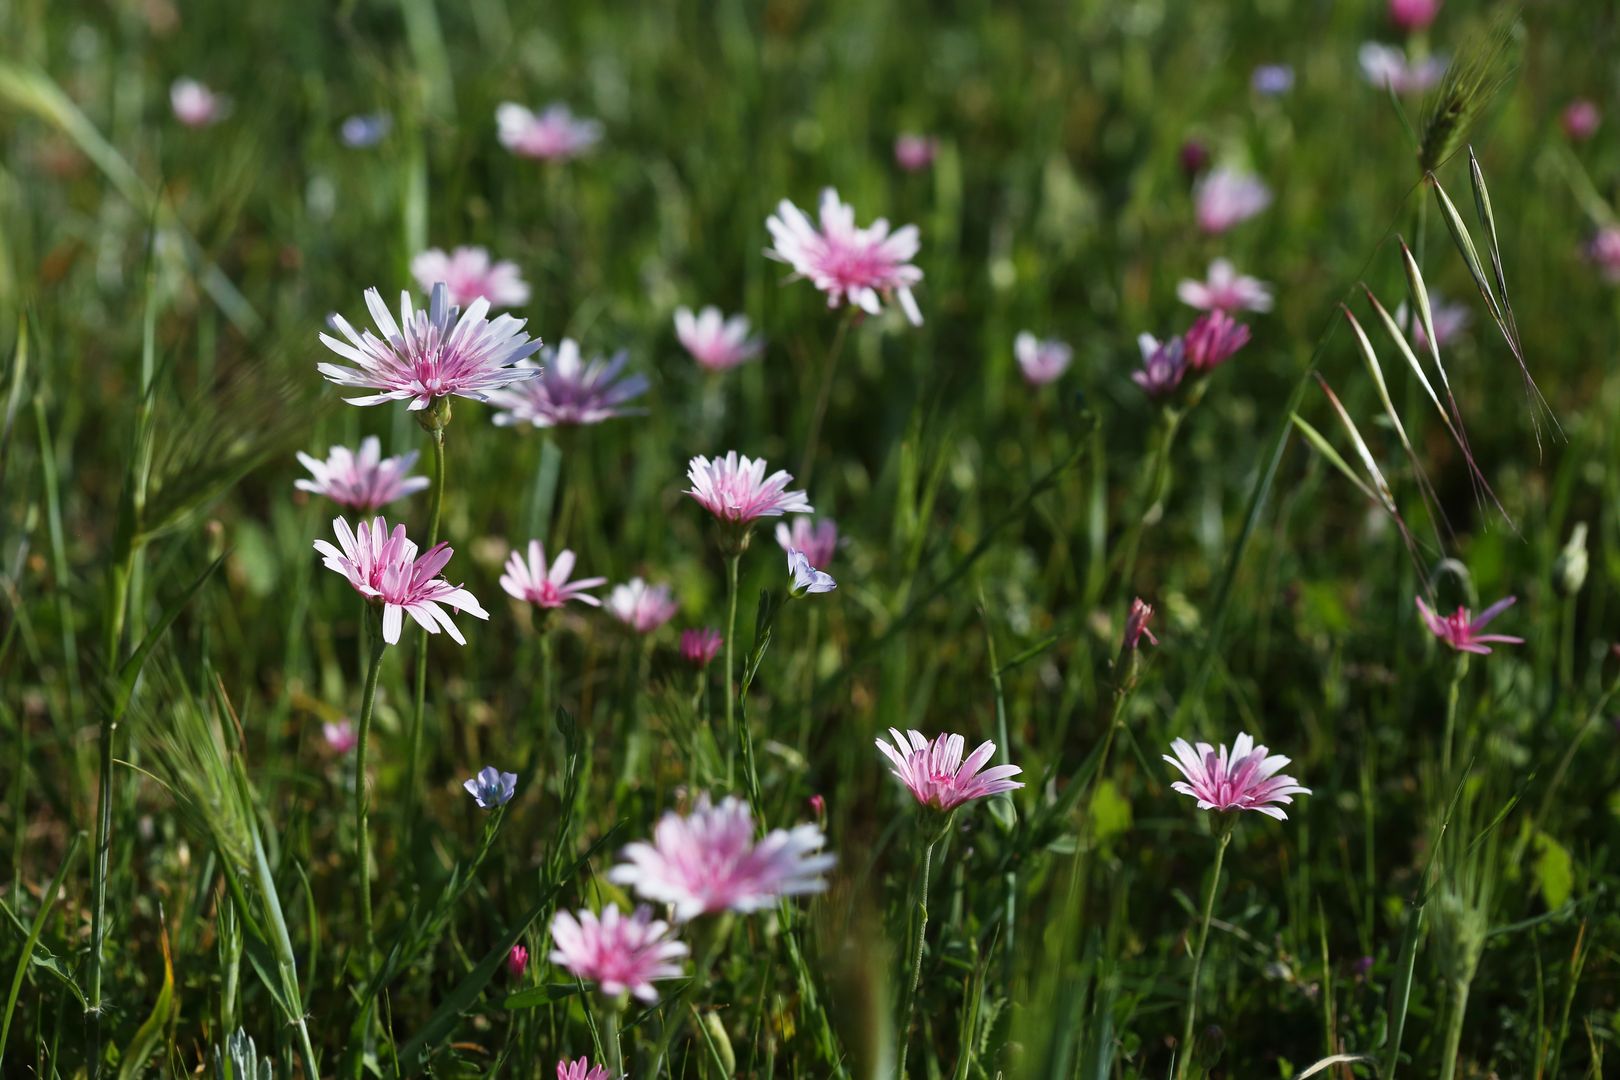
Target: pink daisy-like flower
x,y
441,352
1462,632
574,393
708,861
846,262
700,646
363,481
1604,252
1581,119
736,490
1245,779
1412,15
716,342
913,152
817,539
1387,66
1041,361
618,953
533,581
340,737
553,135
935,773
1450,320
580,1069
642,607
1225,290
1225,197
1212,339
1163,365
468,273
1136,624
195,105
383,567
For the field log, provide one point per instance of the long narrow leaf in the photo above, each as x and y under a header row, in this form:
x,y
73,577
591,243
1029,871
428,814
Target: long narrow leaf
x,y
1325,448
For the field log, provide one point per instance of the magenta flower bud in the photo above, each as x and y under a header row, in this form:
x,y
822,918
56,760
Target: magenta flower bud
x,y
915,153
818,807
1410,15
1581,118
1136,624
517,961
1194,157
1212,340
700,647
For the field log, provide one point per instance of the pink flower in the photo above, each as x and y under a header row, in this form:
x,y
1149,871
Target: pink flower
x,y
1387,66
1041,361
715,342
708,862
1163,365
581,1069
642,607
1450,320
517,961
365,481
914,153
195,105
573,393
936,775
1213,339
618,953
736,490
383,567
1225,290
1581,118
1604,251
468,274
441,352
1136,624
1463,633
553,135
846,262
534,582
700,647
1412,15
1241,780
1225,197
818,540
818,806
340,736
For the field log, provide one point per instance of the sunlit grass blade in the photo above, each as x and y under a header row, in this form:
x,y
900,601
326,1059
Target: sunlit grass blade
x,y
1319,442
150,1033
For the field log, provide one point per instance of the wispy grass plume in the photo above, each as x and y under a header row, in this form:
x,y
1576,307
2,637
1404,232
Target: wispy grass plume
x,y
1482,67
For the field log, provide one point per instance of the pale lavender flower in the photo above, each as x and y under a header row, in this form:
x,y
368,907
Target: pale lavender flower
x,y
341,736
1581,119
1604,252
468,273
1212,339
581,1069
716,342
1244,779
845,262
574,393
708,862
913,152
642,607
700,646
1163,365
553,135
935,774
366,130
1450,321
533,581
817,539
618,953
1387,66
1272,80
195,105
806,578
440,352
1462,632
491,788
1041,361
1224,197
1225,290
363,481
736,490
383,567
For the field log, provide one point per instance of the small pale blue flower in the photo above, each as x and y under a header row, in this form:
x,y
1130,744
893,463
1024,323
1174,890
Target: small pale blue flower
x,y
359,132
806,578
491,787
1272,80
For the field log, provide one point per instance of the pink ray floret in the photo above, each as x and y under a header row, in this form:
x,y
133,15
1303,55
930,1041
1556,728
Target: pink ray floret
x,y
574,393
817,539
1225,290
469,274
640,606
580,1069
714,341
383,567
363,480
1244,779
845,262
1462,632
430,353
552,135
934,772
618,953
709,861
735,489
546,586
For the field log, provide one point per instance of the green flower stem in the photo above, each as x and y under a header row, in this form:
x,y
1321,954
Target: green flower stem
x,y
362,839
414,758
1184,1050
610,1040
730,646
1452,693
920,911
828,368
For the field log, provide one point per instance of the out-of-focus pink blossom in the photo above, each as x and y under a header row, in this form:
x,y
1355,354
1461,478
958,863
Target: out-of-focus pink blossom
x,y
618,953
642,607
935,774
383,567
363,481
1212,339
1462,632
1244,779
547,586
736,490
1604,252
1163,365
1412,15
581,1069
1136,624
845,262
1225,290
517,961
1226,197
573,393
340,737
1041,361
716,342
913,152
1581,119
1388,66
469,274
195,105
818,806
700,646
552,135
817,539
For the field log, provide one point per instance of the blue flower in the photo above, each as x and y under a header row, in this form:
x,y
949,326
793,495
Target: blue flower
x,y
806,578
359,132
1273,79
492,788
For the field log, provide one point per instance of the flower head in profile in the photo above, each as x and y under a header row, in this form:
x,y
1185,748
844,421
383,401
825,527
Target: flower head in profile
x,y
517,961
1386,66
1041,361
709,861
363,481
1244,779
491,787
384,568
469,275
1163,366
1212,339
1581,119
700,646
340,737
618,953
1604,252
1450,321
195,105
429,354
1225,197
552,135
1412,15
913,152
531,580
1225,290
817,539
714,341
1136,624
574,393
806,578
845,262
580,1069
1462,632
642,607
366,130
1272,80
736,490
935,774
